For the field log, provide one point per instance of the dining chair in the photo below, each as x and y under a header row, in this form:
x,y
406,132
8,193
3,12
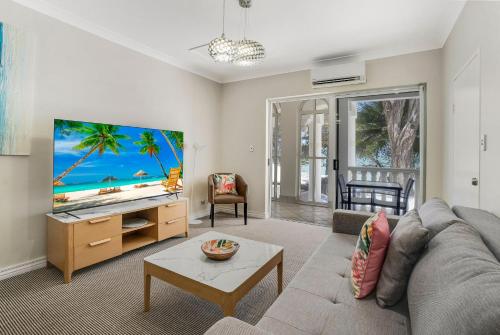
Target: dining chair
x,y
405,195
356,198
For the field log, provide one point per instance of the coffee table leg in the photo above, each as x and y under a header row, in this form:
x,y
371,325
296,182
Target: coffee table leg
x,y
228,307
280,276
147,291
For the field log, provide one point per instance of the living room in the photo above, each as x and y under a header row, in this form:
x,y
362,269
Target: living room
x,y
190,88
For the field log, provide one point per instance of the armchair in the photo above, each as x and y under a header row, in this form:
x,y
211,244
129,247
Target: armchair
x,y
240,198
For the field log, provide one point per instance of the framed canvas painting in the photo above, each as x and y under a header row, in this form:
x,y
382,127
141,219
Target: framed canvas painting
x,y
16,90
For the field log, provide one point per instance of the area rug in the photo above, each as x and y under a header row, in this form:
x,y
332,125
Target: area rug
x,y
108,298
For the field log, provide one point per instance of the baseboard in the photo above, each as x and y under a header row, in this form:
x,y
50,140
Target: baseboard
x,y
17,269
198,215
230,210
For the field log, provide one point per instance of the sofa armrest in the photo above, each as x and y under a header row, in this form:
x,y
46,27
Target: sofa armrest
x,y
350,222
232,326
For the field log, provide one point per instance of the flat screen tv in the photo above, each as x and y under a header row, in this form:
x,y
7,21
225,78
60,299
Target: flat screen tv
x,y
99,164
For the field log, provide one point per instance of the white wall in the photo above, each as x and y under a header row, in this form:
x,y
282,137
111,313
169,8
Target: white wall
x,y
244,115
289,148
477,28
80,76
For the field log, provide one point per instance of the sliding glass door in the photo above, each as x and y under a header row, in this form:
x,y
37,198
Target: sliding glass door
x,y
313,152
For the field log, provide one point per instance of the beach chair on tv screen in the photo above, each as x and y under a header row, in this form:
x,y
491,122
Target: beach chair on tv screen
x,y
172,184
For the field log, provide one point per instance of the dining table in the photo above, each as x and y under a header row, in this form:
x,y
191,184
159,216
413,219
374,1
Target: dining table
x,y
374,185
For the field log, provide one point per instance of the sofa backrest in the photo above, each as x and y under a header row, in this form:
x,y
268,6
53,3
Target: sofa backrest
x,y
487,224
455,286
436,216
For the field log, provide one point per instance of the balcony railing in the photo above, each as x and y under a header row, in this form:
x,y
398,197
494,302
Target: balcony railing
x,y
389,175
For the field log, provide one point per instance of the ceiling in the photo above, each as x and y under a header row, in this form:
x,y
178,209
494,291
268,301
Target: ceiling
x,y
296,33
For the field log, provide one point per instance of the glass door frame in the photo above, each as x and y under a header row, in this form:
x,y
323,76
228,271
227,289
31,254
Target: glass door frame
x,y
276,158
314,158
332,104
332,112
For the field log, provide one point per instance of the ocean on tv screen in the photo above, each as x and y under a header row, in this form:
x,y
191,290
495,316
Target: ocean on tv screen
x,y
98,164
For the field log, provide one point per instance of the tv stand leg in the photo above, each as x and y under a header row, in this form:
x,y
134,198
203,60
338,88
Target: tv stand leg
x,y
67,277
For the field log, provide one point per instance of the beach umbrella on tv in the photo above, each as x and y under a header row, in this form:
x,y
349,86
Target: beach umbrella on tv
x,y
140,174
109,179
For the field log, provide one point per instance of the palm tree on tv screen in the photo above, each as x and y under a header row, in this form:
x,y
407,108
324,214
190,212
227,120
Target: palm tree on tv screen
x,y
66,127
148,146
174,139
100,137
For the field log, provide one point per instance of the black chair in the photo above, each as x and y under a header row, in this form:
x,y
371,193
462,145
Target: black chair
x,y
405,195
356,198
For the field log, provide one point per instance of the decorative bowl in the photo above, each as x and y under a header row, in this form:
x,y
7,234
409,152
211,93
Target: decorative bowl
x,y
220,249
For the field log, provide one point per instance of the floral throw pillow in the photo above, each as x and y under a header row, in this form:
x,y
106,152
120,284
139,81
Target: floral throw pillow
x,y
369,255
225,184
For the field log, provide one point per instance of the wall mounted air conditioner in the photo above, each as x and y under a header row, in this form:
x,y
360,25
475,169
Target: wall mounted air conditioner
x,y
338,75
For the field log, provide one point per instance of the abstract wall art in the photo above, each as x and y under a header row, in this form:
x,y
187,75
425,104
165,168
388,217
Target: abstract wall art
x,y
16,90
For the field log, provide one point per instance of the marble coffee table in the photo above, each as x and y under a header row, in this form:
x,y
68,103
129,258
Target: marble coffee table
x,y
222,282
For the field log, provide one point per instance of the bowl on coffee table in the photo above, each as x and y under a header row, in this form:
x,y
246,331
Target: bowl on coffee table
x,y
220,249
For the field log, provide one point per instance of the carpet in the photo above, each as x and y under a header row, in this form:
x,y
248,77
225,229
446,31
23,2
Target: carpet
x,y
107,298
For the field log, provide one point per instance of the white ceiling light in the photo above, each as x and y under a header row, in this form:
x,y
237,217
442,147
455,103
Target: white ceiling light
x,y
249,52
222,49
244,52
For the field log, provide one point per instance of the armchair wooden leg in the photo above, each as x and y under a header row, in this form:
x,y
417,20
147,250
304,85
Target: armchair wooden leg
x,y
236,210
245,212
212,214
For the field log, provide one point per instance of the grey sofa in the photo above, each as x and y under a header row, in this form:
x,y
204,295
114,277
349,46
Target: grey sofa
x,y
453,289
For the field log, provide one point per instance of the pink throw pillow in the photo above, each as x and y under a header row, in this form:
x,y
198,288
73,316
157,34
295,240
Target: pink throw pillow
x,y
369,254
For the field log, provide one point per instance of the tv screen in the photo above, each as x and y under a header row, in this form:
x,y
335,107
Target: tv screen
x,y
99,164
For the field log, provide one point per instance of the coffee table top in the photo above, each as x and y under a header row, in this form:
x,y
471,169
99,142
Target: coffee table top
x,y
187,259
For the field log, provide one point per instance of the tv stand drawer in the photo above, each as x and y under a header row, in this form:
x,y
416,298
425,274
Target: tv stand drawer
x,y
171,228
97,229
171,211
97,251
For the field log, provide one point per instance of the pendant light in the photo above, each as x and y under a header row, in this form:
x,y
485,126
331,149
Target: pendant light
x,y
249,52
222,49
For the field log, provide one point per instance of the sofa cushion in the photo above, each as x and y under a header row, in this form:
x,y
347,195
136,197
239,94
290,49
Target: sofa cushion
x,y
322,287
487,224
408,240
436,215
368,257
225,183
231,326
297,312
455,286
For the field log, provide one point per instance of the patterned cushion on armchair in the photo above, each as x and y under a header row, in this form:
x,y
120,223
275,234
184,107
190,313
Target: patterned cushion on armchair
x,y
225,183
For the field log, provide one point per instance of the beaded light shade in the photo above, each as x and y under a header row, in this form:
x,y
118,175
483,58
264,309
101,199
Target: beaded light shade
x,y
222,49
249,52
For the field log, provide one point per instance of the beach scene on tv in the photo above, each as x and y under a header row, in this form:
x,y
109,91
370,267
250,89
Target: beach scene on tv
x,y
99,164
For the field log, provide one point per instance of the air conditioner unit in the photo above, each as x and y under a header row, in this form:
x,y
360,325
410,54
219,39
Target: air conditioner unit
x,y
338,75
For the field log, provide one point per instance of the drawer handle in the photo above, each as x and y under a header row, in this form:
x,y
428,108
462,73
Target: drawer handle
x,y
99,220
96,243
172,221
171,205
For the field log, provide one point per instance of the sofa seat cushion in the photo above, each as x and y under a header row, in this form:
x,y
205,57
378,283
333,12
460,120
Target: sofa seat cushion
x,y
319,299
436,216
455,286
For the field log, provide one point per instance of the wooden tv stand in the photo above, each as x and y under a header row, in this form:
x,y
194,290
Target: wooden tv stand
x,y
86,237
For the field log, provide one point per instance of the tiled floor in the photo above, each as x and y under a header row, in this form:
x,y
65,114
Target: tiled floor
x,y
317,215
